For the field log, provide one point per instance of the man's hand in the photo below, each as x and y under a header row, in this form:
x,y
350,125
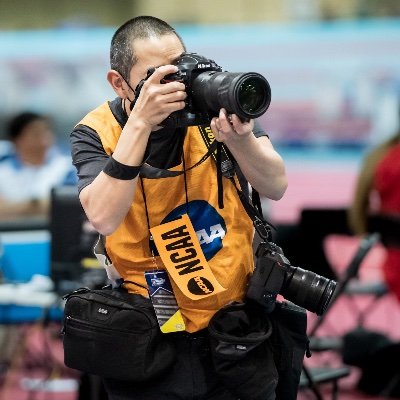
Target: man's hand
x,y
228,128
158,100
260,163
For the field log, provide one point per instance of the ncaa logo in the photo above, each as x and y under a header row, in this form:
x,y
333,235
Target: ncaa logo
x,y
200,285
209,225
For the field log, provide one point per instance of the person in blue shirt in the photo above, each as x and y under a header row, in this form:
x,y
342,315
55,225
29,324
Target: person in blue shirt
x,y
32,167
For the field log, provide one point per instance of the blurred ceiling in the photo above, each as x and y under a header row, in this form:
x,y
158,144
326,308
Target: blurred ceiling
x,y
43,14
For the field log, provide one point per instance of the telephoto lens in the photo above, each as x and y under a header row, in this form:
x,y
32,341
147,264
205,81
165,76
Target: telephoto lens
x,y
308,289
248,95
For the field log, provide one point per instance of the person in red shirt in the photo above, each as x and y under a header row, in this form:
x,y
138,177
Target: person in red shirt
x,y
376,205
386,183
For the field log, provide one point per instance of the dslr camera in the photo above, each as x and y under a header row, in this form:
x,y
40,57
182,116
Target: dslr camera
x,y
274,275
248,95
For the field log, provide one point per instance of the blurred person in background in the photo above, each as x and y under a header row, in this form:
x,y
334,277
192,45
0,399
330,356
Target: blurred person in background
x,y
31,168
376,205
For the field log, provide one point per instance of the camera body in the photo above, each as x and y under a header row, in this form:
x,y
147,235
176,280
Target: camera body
x,y
190,66
248,95
274,275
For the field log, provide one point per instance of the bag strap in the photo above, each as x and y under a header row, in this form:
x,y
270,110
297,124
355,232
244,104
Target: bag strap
x,y
262,226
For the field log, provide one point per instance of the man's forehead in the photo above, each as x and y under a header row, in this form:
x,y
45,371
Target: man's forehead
x,y
164,47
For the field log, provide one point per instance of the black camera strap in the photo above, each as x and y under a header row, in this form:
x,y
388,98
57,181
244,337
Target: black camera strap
x,y
150,172
217,150
262,226
223,156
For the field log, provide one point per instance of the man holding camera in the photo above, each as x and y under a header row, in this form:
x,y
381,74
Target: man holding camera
x,y
135,214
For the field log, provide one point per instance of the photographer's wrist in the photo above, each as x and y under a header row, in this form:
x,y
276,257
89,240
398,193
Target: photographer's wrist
x,y
117,170
137,125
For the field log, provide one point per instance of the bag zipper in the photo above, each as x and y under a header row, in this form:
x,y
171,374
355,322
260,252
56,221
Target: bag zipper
x,y
97,326
83,290
77,292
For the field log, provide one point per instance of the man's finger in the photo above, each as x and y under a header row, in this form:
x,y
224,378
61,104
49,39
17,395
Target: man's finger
x,y
240,126
236,122
225,124
160,72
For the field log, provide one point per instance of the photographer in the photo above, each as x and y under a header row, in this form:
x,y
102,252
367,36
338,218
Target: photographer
x,y
109,146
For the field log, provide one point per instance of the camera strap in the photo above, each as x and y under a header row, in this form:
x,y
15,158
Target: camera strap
x,y
150,172
227,166
262,226
224,158
217,150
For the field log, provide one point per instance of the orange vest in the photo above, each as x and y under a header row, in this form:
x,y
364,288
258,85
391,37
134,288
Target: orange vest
x,y
225,234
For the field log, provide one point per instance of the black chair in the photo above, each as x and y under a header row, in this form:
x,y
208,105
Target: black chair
x,y
312,378
351,286
314,226
72,240
388,226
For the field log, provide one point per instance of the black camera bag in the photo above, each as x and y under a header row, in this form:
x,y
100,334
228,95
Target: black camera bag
x,y
259,355
289,343
114,334
241,353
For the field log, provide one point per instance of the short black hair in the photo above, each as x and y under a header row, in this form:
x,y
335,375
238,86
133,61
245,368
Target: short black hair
x,y
17,124
122,54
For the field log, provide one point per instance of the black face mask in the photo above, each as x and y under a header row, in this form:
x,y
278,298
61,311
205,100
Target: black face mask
x,y
133,101
133,90
138,87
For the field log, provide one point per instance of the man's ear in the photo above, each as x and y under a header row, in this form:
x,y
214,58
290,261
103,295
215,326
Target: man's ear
x,y
117,83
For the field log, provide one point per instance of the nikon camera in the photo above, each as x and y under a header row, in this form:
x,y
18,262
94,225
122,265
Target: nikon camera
x,y
248,95
274,275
